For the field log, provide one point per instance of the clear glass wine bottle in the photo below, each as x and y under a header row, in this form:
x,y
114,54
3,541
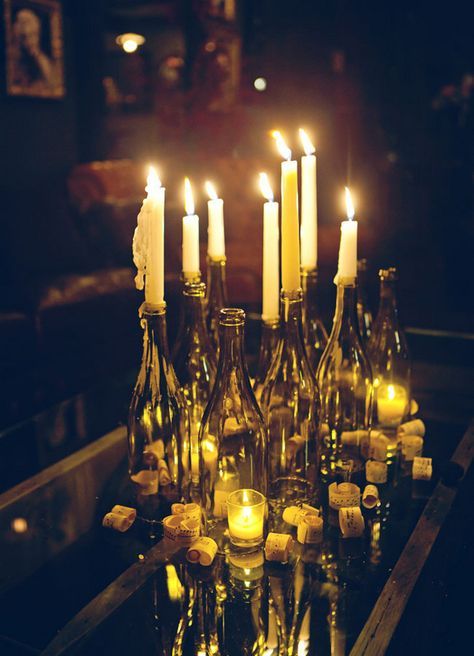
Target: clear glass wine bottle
x,y
345,385
268,343
290,404
216,295
158,425
390,359
194,362
364,315
232,438
315,335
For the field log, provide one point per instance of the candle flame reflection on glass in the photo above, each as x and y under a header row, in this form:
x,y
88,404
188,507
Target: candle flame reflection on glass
x,y
349,204
153,182
210,190
283,149
188,197
265,187
308,147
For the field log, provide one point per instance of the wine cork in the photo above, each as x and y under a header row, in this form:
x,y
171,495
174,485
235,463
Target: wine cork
x,y
412,445
171,526
354,438
192,511
294,514
157,448
129,513
116,522
422,469
147,479
378,446
351,522
310,530
163,473
311,509
414,427
202,551
278,547
178,508
370,497
414,407
344,494
181,530
376,472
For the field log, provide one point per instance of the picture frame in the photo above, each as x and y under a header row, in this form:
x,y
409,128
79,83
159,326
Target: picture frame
x,y
34,48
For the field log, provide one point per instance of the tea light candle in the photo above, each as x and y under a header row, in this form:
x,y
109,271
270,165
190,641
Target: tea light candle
x,y
246,514
392,403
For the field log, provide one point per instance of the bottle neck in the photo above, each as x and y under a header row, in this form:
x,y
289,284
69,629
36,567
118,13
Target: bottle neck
x,y
216,282
194,307
345,317
388,299
231,355
155,339
309,284
291,317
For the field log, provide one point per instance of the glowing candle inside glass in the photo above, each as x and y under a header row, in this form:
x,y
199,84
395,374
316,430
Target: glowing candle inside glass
x,y
246,515
392,401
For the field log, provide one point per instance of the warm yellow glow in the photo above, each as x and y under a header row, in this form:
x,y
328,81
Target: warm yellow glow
x,y
349,204
306,141
245,496
391,392
210,190
19,525
173,583
260,83
283,149
130,42
153,182
265,187
188,197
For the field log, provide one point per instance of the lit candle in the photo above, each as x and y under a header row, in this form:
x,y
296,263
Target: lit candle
x,y
392,401
347,267
309,208
246,513
271,263
148,241
190,233
290,238
215,229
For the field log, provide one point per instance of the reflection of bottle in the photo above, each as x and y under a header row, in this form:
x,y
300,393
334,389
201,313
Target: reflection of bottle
x,y
364,315
290,403
315,335
268,344
194,361
158,425
232,438
389,357
216,295
345,385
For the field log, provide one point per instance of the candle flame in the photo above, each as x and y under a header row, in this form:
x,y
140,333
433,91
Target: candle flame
x,y
153,182
245,496
391,392
306,141
283,149
349,204
188,197
211,190
265,187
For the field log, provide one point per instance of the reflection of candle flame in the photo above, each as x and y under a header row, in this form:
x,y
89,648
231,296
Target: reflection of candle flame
x,y
349,204
265,187
153,182
188,197
306,141
211,190
283,149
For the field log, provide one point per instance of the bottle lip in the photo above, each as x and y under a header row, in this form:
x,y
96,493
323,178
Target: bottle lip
x,y
291,294
388,274
194,288
151,309
231,317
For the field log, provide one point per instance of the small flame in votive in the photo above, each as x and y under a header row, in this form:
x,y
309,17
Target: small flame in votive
x,y
188,197
211,190
265,187
349,204
391,392
245,496
283,149
153,182
306,141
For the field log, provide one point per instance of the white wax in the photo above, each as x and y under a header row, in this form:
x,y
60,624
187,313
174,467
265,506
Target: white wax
x,y
309,212
290,233
347,267
191,243
215,230
271,262
155,273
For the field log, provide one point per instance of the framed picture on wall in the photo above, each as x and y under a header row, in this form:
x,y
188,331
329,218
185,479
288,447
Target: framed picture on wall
x,y
34,48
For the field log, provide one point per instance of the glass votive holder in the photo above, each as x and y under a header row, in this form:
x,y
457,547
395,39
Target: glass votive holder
x,y
246,517
392,405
